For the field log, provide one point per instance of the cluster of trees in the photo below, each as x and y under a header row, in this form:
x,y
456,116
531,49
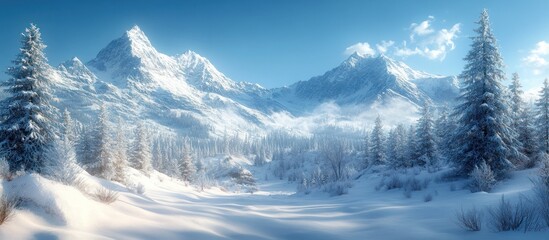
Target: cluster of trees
x,y
490,128
33,139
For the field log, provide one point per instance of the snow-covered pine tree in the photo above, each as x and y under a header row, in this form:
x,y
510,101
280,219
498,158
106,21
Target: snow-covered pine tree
x,y
26,115
426,146
443,128
483,133
120,154
542,117
526,133
63,166
141,150
366,156
105,146
516,103
186,166
377,144
410,150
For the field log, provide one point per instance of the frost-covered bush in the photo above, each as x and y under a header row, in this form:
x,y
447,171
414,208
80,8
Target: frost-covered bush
x,y
337,188
510,217
394,182
203,181
470,220
541,190
428,197
413,184
242,176
7,208
482,178
105,195
136,187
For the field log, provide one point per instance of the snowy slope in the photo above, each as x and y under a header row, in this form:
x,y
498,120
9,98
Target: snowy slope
x,y
369,80
184,92
170,210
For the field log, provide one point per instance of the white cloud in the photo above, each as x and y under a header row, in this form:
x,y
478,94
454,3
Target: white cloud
x,y
425,41
421,29
362,48
383,46
537,58
435,46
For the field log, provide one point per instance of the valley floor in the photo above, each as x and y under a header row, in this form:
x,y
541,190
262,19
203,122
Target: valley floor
x,y
169,210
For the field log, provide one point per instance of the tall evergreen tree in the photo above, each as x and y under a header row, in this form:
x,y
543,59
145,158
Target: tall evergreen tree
x,y
443,128
483,134
141,150
26,115
516,102
527,133
186,166
121,148
542,117
63,166
105,146
377,143
426,147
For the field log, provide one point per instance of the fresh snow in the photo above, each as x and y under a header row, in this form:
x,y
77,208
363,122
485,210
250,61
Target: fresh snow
x,y
171,210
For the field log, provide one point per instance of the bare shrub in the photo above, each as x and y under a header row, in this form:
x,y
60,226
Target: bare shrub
x,y
482,178
542,198
508,217
105,195
7,209
394,182
428,197
470,220
413,184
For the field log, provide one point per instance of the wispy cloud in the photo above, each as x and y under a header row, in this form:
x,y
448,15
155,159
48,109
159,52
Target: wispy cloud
x,y
362,48
383,46
424,40
537,58
428,42
421,29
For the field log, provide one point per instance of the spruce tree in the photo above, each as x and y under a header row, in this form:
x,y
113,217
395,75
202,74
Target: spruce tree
x,y
26,115
121,148
542,118
141,150
377,144
186,166
426,146
63,166
483,134
516,102
105,146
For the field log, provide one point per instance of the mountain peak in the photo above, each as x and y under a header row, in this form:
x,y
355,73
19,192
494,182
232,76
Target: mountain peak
x,y
137,37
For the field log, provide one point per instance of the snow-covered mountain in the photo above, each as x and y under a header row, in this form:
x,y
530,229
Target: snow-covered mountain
x,y
368,80
183,92
187,93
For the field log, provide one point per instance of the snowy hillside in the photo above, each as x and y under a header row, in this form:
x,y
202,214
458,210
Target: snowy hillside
x,y
188,94
367,80
185,92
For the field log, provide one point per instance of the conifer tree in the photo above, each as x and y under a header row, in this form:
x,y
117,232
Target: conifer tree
x,y
186,166
26,115
105,146
542,118
142,153
426,147
121,148
483,134
377,144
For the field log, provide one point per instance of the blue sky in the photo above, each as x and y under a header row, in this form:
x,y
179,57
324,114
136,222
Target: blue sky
x,y
276,43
